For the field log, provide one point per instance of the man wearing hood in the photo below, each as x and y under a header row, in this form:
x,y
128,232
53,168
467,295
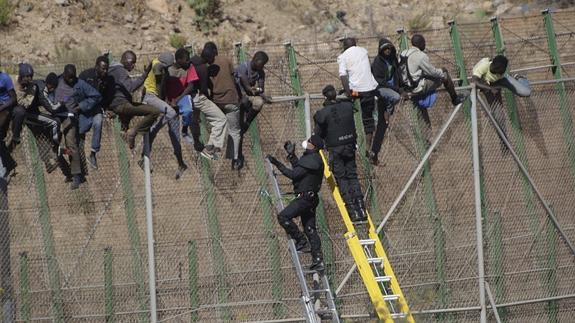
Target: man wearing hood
x,y
306,175
123,103
385,70
335,124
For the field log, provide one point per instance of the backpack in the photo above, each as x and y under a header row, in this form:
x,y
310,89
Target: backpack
x,y
407,82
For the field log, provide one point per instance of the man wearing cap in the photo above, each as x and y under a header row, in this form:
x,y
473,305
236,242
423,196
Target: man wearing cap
x,y
335,124
123,103
155,94
306,175
28,97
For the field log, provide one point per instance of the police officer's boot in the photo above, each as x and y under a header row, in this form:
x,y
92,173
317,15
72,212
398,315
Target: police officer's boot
x,y
353,214
360,209
317,264
302,245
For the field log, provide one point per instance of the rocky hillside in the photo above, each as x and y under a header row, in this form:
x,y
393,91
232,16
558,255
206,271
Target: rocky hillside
x,y
65,30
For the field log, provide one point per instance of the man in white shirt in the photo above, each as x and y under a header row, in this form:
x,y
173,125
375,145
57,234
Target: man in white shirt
x,y
357,81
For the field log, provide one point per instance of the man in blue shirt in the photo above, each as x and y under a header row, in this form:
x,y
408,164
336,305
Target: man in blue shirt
x,y
7,102
82,101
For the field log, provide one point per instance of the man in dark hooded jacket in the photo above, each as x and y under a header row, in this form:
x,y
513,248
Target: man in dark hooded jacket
x,y
335,124
385,70
306,175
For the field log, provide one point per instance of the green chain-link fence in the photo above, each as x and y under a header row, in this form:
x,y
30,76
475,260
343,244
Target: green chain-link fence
x,y
220,254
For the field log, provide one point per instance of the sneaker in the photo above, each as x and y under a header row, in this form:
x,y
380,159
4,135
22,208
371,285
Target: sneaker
x,y
93,161
372,158
181,169
519,76
76,181
317,265
238,164
210,152
302,246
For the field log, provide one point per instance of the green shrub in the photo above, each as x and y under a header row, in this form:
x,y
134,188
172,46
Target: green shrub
x,y
178,41
207,13
6,9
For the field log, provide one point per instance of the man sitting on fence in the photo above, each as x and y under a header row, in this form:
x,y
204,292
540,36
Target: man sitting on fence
x,y
27,112
250,79
385,70
155,90
357,81
123,103
99,79
489,76
420,78
7,102
202,103
225,95
81,101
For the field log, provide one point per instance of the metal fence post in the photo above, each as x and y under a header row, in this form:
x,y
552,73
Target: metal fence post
x,y
438,234
497,249
24,288
150,230
47,235
478,217
109,285
565,110
305,119
130,212
193,280
267,207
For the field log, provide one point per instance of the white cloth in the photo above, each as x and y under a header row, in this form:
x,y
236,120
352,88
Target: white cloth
x,y
354,62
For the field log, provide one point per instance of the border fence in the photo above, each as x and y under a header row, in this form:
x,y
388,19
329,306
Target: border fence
x,y
81,256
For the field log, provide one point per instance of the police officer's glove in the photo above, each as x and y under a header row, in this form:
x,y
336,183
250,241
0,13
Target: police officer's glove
x,y
289,147
273,160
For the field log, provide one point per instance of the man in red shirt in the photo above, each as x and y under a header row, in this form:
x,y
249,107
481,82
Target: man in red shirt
x,y
179,89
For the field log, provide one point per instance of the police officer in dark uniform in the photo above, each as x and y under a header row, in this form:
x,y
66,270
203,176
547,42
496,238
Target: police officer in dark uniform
x,y
306,175
335,124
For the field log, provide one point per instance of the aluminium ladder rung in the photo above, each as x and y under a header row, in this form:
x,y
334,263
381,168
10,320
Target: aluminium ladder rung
x,y
375,260
318,291
389,298
398,315
367,242
383,279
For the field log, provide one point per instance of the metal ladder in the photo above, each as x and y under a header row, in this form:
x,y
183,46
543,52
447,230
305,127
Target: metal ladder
x,y
372,262
312,296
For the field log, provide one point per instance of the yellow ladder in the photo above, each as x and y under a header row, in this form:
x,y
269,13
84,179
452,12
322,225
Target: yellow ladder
x,y
372,263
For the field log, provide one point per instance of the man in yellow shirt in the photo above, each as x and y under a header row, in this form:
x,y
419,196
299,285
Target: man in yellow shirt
x,y
154,89
490,76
